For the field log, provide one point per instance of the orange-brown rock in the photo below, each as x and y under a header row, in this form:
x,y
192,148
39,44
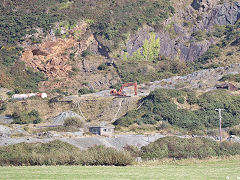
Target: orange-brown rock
x,y
49,57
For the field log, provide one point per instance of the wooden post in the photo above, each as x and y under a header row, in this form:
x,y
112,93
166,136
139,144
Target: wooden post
x,y
220,123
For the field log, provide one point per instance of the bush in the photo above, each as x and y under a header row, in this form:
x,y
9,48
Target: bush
x,y
3,108
73,121
86,53
175,147
133,150
71,56
105,156
164,125
52,153
26,118
61,153
192,98
85,91
127,119
231,77
211,53
116,86
234,131
199,35
181,100
103,66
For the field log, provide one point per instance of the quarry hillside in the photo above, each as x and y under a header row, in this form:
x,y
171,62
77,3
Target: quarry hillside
x,y
183,55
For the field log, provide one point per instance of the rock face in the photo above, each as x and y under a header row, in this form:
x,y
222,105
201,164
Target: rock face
x,y
223,14
203,5
176,39
52,56
48,57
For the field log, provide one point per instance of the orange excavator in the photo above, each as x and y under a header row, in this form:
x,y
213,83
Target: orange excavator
x,y
119,92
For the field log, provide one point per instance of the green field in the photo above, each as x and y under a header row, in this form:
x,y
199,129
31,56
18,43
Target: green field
x,y
216,169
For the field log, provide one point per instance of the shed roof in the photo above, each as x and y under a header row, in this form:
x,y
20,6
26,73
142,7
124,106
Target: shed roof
x,y
103,126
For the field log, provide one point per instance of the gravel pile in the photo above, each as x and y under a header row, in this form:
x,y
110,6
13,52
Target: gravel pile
x,y
5,131
5,120
118,142
59,120
5,141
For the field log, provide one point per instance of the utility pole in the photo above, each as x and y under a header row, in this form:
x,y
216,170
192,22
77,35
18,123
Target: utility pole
x,y
220,123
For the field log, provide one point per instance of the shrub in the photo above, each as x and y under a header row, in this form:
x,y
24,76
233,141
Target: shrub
x,y
127,119
186,24
85,91
211,53
164,125
199,35
103,66
52,153
61,153
26,118
101,155
220,31
181,100
3,108
116,86
231,77
133,150
71,56
192,98
73,121
234,131
86,53
175,147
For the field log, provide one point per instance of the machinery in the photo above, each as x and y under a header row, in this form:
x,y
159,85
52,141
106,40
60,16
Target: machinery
x,y
119,92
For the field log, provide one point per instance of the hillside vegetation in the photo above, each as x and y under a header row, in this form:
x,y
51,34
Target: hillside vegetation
x,y
63,47
110,22
114,25
159,106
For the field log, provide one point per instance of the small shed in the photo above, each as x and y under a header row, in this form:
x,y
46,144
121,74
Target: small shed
x,y
102,130
227,86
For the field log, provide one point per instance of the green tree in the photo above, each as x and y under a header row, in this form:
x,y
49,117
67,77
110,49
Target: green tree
x,y
151,47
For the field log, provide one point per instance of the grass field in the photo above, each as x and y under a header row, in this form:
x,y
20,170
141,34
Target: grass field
x,y
194,169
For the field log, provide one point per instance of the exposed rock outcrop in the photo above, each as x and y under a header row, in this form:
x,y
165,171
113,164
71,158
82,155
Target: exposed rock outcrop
x,y
52,56
49,57
222,14
204,5
203,16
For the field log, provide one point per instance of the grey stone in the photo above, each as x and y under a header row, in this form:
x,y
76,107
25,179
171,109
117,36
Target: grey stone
x,y
5,131
224,14
59,120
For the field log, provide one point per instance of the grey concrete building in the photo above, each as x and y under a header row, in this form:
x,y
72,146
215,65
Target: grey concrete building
x,y
105,130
